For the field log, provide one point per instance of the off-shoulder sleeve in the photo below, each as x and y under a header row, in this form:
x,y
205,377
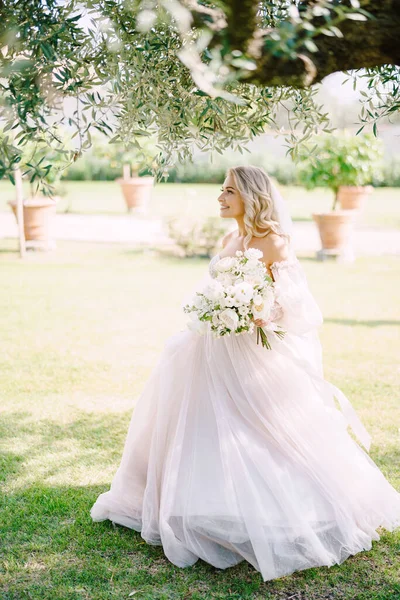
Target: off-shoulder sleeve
x,y
299,311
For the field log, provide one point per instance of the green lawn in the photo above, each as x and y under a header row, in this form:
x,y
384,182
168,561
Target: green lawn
x,y
99,197
81,330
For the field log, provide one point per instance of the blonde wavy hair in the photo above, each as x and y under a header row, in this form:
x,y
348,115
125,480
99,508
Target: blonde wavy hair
x,y
254,187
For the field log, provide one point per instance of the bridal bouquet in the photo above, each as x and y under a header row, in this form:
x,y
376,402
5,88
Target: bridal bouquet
x,y
241,291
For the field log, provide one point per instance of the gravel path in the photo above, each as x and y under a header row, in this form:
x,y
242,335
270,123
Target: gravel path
x,y
150,232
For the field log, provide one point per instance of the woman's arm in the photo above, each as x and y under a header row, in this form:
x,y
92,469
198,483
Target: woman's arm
x,y
274,248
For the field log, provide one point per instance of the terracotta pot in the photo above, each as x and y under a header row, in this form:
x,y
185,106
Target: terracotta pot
x,y
137,191
353,196
37,215
335,229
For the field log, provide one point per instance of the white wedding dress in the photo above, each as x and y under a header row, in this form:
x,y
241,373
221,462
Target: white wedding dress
x,y
235,452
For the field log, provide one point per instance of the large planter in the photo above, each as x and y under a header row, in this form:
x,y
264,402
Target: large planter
x,y
352,197
38,212
335,230
137,192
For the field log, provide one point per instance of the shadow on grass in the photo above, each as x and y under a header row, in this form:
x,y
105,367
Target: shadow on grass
x,y
94,437
52,549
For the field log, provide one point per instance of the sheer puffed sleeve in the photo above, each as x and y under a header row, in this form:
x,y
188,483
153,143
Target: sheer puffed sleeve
x,y
297,311
299,314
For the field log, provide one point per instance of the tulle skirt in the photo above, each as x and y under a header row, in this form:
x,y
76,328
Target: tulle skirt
x,y
234,452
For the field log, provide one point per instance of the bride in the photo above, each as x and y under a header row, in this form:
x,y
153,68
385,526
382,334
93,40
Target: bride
x,y
235,452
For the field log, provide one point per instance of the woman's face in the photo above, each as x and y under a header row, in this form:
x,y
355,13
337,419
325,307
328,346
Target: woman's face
x,y
231,203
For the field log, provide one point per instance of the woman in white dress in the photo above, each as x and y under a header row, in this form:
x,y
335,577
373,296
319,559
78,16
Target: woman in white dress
x,y
235,452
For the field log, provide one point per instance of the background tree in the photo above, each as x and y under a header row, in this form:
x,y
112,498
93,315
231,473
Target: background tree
x,y
210,75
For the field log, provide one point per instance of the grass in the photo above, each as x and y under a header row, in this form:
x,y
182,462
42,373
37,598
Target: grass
x,y
81,329
200,200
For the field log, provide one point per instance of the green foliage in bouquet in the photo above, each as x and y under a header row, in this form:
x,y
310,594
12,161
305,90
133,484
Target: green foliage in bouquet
x,y
341,159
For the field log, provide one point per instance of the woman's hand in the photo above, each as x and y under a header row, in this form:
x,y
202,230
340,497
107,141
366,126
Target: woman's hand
x,y
275,316
260,322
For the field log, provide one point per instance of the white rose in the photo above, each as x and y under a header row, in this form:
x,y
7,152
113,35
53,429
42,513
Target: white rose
x,y
225,279
262,311
230,318
214,291
225,264
239,253
257,299
252,266
268,296
238,279
253,253
244,292
253,279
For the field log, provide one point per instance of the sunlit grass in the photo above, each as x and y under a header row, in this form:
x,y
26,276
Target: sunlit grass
x,y
82,328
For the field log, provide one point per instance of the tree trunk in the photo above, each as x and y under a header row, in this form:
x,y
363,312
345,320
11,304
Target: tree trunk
x,y
20,212
365,44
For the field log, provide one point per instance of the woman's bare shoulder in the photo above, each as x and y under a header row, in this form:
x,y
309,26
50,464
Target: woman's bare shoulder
x,y
227,237
274,246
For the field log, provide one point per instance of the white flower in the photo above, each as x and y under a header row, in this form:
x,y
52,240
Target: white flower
x,y
244,292
230,318
215,319
225,279
257,299
261,311
253,265
196,325
268,295
253,253
214,291
239,293
254,280
225,264
199,301
222,303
